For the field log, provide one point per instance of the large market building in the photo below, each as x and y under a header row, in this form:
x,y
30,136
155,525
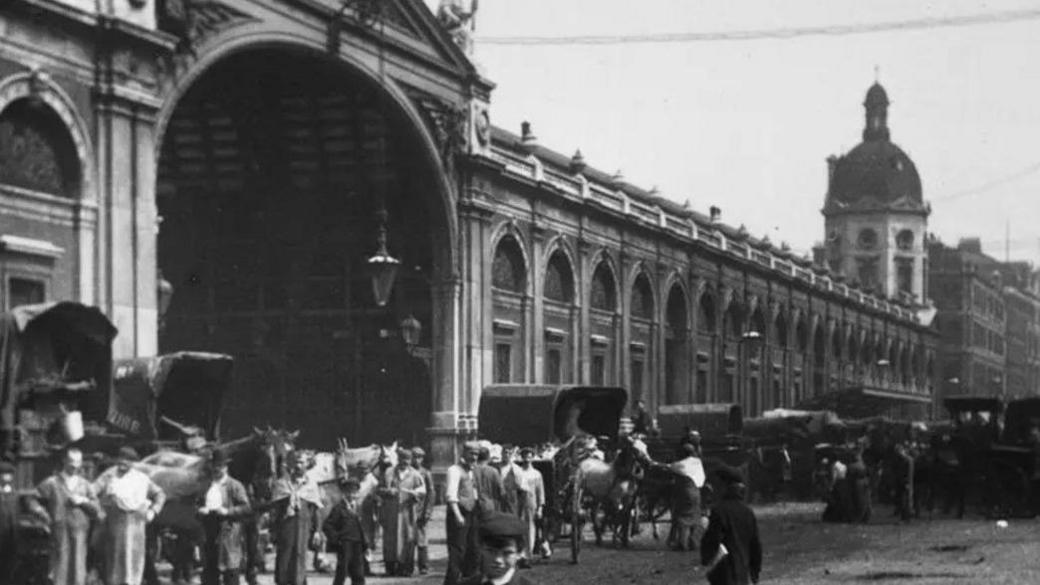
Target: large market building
x,y
248,155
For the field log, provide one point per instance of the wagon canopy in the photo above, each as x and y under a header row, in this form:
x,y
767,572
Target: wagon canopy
x,y
862,401
187,388
710,420
49,345
529,414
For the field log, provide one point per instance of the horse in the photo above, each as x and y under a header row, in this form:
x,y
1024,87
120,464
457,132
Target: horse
x,y
255,458
610,488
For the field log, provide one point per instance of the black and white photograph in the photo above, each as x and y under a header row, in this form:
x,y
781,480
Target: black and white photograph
x,y
519,292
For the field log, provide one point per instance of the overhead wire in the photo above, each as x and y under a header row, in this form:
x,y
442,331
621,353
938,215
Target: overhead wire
x,y
980,189
775,33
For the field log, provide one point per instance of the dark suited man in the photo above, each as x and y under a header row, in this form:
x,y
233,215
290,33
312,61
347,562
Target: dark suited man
x,y
731,547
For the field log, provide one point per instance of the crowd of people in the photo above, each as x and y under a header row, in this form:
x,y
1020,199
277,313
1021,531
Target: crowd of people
x,y
495,505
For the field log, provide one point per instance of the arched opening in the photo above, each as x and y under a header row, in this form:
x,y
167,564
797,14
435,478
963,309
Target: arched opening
x,y
779,361
904,363
853,352
603,303
753,348
676,348
508,272
640,331
272,169
508,283
801,343
706,360
819,361
37,152
40,178
558,310
732,331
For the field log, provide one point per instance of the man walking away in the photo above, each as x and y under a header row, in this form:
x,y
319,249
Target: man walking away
x,y
424,511
222,508
344,532
731,548
686,500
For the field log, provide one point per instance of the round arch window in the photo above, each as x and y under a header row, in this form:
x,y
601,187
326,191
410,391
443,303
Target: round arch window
x,y
905,240
868,239
36,150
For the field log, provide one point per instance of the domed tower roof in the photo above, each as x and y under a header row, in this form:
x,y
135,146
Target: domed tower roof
x,y
876,174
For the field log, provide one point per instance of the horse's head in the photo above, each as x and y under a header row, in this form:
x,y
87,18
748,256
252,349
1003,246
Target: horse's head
x,y
273,448
630,459
388,455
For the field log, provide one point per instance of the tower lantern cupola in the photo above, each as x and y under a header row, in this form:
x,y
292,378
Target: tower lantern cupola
x,y
876,106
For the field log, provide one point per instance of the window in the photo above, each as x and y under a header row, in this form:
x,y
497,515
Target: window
x,y
753,397
867,272
599,367
726,391
905,240
905,274
637,379
868,239
507,270
553,365
36,150
24,291
503,363
602,293
702,385
559,284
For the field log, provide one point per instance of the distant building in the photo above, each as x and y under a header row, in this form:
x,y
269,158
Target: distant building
x,y
988,320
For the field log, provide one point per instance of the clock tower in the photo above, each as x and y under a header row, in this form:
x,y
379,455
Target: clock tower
x,y
875,218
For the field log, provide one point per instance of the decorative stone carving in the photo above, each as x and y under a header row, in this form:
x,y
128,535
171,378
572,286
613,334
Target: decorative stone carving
x,y
193,22
449,124
459,18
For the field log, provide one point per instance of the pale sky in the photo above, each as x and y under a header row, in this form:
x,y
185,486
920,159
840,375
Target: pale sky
x,y
747,125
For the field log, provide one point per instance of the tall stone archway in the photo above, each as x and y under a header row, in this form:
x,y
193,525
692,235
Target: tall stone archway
x,y
271,170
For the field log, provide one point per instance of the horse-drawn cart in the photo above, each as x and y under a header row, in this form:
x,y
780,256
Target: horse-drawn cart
x,y
563,416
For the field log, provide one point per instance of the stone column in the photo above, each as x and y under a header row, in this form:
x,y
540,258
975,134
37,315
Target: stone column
x,y
535,272
127,233
444,428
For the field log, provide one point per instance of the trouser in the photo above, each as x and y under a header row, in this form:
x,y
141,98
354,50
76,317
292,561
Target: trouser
x,y
254,553
463,557
350,561
422,544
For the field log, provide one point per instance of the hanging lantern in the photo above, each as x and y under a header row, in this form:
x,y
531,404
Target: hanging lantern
x,y
382,266
411,330
165,294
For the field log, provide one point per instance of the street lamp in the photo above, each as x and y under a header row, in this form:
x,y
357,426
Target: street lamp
x,y
382,266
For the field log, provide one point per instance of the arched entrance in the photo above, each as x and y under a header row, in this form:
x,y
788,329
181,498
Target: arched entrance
x,y
270,175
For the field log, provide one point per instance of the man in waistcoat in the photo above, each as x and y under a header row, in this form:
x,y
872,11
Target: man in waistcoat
x,y
460,493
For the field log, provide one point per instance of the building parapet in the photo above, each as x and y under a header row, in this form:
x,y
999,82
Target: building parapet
x,y
686,225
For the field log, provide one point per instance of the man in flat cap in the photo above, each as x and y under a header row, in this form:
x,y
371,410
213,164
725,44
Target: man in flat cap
x,y
731,548
9,509
345,533
402,491
424,511
460,493
130,500
221,509
501,540
68,505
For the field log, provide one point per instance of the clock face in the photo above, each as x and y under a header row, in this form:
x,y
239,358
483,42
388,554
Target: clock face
x,y
867,239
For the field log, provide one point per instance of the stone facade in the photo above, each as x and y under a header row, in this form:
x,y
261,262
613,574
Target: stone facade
x,y
522,265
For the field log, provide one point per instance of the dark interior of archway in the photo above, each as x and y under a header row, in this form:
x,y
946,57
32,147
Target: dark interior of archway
x,y
269,177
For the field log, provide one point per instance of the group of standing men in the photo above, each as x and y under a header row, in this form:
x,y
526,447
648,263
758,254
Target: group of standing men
x,y
114,510
477,494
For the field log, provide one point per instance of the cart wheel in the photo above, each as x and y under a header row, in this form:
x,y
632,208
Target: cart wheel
x,y
576,523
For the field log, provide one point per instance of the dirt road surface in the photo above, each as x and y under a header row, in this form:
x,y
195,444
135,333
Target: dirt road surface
x,y
801,550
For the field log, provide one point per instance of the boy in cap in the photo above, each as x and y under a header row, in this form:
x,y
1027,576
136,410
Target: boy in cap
x,y
501,538
731,546
344,531
424,511
532,502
